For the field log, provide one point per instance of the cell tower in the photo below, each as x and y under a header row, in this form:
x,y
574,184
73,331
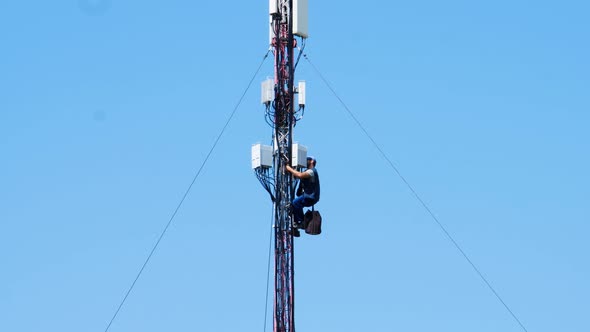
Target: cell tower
x,y
288,21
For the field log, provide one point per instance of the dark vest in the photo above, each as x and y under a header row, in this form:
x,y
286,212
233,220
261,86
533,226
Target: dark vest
x,y
311,186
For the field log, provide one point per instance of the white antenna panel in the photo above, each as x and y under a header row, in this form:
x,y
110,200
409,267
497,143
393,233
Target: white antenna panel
x,y
301,93
267,91
300,18
273,7
261,156
298,155
271,32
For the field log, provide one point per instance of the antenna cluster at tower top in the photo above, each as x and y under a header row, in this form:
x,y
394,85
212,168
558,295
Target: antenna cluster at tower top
x,y
300,17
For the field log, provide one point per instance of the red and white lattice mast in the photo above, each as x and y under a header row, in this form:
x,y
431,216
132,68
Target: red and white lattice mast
x,y
288,25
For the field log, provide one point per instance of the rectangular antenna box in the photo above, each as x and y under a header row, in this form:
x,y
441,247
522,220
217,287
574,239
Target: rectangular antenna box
x,y
298,155
271,31
261,156
301,93
273,7
300,18
267,91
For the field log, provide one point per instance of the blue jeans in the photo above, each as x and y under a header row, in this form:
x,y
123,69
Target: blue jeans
x,y
298,204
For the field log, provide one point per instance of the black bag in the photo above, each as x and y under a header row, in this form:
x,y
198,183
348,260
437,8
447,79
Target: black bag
x,y
312,222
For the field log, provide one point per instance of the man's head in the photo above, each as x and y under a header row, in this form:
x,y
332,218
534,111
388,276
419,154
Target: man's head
x,y
311,162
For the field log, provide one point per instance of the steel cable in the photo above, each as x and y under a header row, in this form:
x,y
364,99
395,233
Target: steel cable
x,y
185,194
449,236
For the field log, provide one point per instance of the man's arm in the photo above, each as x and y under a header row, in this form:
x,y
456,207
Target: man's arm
x,y
297,174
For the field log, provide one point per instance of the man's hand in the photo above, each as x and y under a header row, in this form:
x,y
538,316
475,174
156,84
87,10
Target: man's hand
x,y
289,168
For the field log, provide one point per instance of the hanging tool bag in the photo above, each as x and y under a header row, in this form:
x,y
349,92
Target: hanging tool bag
x,y
312,222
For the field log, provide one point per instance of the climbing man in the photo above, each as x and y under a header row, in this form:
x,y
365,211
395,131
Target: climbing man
x,y
309,189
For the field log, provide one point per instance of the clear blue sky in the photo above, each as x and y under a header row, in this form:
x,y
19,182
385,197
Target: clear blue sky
x,y
108,108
